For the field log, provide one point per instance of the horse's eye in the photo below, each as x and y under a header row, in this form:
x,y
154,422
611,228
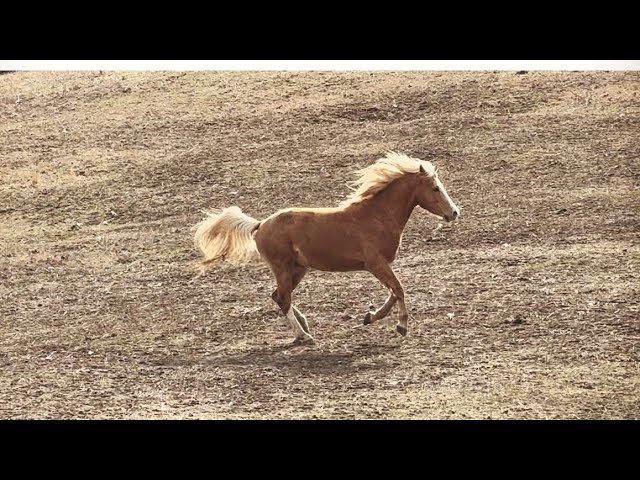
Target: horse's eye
x,y
436,189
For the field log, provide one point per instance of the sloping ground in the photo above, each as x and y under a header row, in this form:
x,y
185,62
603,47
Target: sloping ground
x,y
526,308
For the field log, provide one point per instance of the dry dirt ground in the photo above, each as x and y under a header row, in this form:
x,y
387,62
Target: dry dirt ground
x,y
525,308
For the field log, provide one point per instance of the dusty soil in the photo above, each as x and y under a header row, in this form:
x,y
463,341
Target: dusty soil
x,y
526,308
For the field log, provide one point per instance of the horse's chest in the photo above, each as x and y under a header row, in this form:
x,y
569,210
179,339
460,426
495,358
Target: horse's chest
x,y
390,249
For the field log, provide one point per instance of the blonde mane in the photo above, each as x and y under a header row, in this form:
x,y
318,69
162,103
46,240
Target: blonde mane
x,y
375,178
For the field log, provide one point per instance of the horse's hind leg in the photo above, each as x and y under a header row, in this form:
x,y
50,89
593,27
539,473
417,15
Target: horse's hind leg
x,y
304,323
287,280
298,274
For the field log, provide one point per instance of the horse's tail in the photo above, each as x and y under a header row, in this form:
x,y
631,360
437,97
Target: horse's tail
x,y
226,235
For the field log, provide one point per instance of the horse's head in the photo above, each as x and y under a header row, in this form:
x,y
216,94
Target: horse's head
x,y
432,196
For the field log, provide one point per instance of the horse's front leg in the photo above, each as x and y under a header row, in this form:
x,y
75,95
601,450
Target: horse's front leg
x,y
382,271
382,312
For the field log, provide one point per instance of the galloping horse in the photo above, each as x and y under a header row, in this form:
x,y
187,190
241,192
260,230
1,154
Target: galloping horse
x,y
362,233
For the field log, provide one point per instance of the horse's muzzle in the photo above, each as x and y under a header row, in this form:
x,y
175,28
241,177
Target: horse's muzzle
x,y
452,217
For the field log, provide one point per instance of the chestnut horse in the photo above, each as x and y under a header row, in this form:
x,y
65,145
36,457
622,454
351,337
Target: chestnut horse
x,y
363,233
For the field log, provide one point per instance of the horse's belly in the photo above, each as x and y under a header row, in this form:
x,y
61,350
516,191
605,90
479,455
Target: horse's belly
x,y
327,261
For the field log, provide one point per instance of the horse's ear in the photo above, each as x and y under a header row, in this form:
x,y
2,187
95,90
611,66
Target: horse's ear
x,y
422,170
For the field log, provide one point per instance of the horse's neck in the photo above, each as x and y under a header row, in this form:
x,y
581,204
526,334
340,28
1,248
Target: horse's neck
x,y
396,202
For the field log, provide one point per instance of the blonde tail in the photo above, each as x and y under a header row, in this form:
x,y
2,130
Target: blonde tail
x,y
226,235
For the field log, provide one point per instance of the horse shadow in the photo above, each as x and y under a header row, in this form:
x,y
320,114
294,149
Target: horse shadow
x,y
296,359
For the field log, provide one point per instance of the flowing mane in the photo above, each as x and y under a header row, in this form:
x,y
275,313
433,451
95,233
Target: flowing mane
x,y
377,176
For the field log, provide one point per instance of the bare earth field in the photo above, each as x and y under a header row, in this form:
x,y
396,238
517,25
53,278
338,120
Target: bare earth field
x,y
526,308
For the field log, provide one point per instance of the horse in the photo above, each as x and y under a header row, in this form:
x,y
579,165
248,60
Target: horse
x,y
362,234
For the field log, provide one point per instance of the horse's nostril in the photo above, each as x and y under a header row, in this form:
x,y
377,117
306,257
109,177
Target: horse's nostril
x,y
455,214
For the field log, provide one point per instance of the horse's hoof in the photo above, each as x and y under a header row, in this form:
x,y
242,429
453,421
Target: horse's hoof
x,y
367,319
401,330
307,340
